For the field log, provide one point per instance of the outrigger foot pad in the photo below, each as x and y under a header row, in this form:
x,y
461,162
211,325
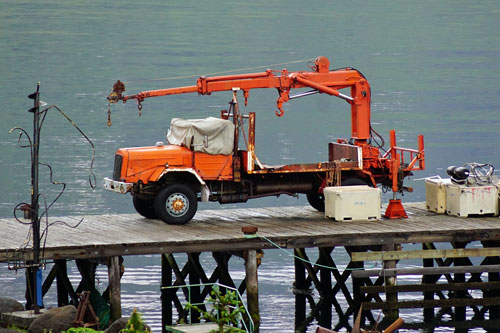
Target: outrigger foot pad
x,y
395,210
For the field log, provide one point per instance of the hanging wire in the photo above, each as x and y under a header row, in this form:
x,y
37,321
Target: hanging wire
x,y
44,214
92,177
380,144
310,262
218,73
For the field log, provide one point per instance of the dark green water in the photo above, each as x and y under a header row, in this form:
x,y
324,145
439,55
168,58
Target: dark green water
x,y
433,67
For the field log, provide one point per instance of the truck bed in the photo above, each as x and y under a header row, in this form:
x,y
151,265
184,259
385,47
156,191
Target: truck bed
x,y
307,167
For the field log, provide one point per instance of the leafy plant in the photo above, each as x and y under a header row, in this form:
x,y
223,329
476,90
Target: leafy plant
x,y
14,327
227,309
135,324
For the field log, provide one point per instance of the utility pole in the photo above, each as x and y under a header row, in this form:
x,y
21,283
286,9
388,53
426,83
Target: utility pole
x,y
36,295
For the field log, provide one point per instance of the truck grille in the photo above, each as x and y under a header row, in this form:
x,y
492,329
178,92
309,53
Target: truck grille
x,y
117,171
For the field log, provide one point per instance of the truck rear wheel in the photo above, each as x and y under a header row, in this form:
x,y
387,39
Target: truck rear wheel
x,y
317,200
176,204
144,207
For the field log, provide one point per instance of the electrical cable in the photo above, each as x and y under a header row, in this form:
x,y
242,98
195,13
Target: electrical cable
x,y
309,262
381,144
22,131
92,177
217,73
44,214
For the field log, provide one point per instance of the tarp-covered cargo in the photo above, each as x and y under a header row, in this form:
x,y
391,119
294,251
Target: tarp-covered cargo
x,y
210,135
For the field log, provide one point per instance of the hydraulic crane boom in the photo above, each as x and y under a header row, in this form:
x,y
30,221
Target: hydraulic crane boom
x,y
321,79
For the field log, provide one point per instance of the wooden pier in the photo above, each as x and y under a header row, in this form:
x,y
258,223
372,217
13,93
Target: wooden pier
x,y
108,237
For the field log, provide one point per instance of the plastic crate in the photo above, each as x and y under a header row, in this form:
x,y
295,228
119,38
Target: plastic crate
x,y
464,200
352,203
435,194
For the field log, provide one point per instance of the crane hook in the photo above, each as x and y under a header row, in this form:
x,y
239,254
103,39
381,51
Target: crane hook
x,y
139,107
282,99
109,115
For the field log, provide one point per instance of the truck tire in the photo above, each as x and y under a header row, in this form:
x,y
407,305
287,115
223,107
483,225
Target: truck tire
x,y
354,181
176,204
144,207
317,200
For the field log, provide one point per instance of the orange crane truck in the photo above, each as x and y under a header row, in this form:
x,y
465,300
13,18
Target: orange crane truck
x,y
203,160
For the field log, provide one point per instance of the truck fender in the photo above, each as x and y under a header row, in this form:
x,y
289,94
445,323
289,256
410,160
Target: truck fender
x,y
205,191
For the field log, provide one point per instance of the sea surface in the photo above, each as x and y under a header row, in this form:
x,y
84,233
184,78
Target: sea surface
x,y
433,67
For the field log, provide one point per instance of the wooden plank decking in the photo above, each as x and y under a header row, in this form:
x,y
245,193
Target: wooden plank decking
x,y
220,229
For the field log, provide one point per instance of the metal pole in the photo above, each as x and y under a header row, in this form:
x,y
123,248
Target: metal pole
x,y
34,198
236,122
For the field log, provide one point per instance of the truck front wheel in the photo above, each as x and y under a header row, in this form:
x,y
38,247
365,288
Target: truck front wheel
x,y
176,204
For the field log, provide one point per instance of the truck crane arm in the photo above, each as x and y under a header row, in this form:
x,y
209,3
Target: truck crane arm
x,y
321,79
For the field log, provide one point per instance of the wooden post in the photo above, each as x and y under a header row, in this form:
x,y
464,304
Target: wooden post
x,y
87,271
299,291
325,319
114,288
222,259
194,279
460,311
29,288
252,287
428,295
48,280
391,297
61,272
166,297
494,311
357,283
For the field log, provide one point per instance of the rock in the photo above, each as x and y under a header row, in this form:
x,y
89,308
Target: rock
x,y
117,325
9,305
55,320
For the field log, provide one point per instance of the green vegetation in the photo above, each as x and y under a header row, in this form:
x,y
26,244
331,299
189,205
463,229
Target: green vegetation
x,y
14,327
227,310
81,330
135,324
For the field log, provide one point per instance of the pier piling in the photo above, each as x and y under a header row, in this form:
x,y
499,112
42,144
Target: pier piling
x,y
252,286
114,288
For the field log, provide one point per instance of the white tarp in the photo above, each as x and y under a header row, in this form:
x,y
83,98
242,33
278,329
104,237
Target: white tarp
x,y
210,135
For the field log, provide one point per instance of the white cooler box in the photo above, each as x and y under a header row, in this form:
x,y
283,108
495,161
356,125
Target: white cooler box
x,y
352,203
435,194
471,200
